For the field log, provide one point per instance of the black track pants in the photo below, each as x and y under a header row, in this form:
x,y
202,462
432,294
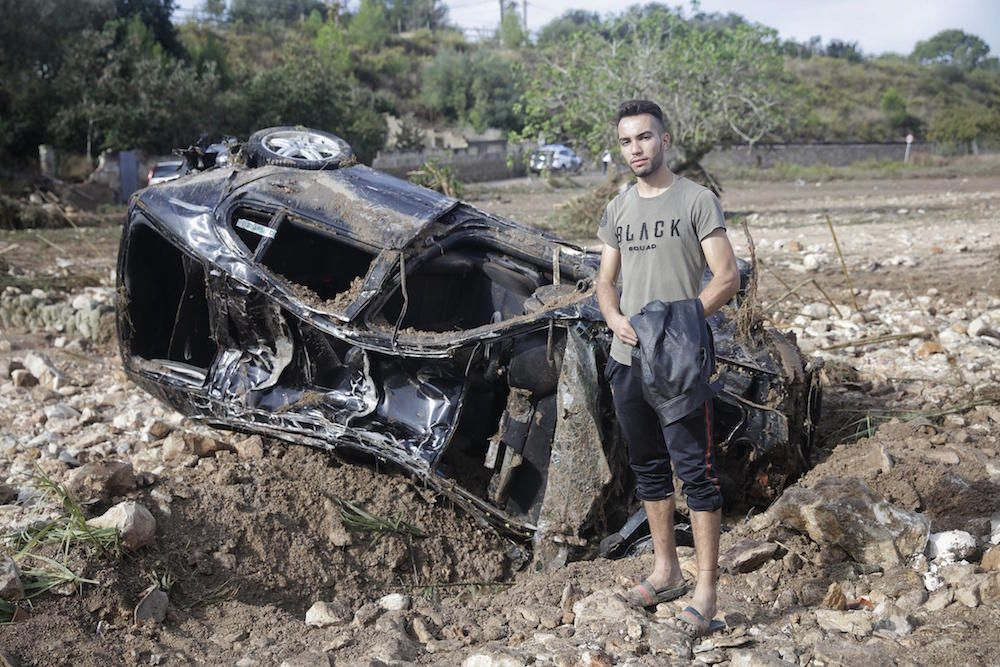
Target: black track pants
x,y
652,446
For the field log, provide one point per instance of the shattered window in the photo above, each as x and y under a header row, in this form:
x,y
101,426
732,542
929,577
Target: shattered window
x,y
174,326
469,285
328,269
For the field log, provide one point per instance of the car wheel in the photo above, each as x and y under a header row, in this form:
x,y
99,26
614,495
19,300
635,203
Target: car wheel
x,y
298,147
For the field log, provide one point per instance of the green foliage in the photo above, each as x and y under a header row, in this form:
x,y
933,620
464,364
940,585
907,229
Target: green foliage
x,y
331,47
847,50
410,136
154,15
369,28
434,176
952,47
409,15
571,22
511,33
961,125
254,12
302,91
714,83
477,88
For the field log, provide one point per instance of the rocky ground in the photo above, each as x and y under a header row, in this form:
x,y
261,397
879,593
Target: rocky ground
x,y
246,551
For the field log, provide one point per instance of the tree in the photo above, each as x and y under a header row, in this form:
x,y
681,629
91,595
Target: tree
x,y
303,91
477,88
408,15
571,22
130,95
965,125
511,33
952,47
849,51
368,28
713,83
260,11
894,108
155,16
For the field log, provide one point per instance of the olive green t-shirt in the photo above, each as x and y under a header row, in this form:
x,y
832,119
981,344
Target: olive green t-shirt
x,y
660,243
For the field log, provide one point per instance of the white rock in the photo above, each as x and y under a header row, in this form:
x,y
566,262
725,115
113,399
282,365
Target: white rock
x,y
951,546
394,602
977,326
61,411
133,522
811,262
324,614
816,310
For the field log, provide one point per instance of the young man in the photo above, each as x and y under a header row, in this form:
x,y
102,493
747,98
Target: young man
x,y
660,234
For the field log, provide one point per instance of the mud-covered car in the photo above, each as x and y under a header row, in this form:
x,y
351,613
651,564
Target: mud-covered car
x,y
293,294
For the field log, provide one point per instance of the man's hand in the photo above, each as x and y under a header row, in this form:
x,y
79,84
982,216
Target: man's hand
x,y
607,296
623,329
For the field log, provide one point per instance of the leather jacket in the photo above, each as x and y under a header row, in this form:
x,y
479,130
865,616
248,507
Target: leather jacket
x,y
676,356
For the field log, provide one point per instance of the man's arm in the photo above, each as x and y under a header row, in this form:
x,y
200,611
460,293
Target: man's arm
x,y
725,275
607,295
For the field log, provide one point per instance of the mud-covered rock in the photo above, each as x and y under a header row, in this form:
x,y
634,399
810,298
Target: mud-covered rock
x,y
846,513
11,586
152,607
101,481
747,556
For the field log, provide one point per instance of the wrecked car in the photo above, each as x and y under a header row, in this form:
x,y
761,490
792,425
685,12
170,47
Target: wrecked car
x,y
294,294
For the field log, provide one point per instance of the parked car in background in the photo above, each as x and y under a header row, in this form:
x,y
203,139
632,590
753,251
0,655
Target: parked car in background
x,y
167,170
555,157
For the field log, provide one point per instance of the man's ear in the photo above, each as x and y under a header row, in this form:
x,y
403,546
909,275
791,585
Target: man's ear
x,y
666,140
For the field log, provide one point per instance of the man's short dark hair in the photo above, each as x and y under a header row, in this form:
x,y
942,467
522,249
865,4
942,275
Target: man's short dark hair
x,y
638,107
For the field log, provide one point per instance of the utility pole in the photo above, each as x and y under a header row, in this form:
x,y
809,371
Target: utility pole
x,y
524,6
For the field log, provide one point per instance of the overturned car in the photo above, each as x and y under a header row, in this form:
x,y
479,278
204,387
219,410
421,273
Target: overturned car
x,y
289,294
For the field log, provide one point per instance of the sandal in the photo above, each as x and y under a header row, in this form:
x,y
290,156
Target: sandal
x,y
646,595
695,625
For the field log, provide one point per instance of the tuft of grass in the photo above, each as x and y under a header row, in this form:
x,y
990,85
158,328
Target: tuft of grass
x,y
357,518
68,529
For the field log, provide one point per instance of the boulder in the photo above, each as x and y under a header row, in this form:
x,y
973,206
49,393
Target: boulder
x,y
846,513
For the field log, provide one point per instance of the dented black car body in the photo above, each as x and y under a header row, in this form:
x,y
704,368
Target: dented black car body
x,y
344,308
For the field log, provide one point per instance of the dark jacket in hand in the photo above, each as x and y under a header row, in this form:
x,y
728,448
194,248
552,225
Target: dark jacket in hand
x,y
676,356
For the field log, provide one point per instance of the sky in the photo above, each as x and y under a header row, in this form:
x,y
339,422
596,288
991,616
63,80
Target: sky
x,y
878,26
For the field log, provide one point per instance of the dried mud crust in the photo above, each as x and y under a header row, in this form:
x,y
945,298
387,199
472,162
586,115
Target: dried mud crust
x,y
250,545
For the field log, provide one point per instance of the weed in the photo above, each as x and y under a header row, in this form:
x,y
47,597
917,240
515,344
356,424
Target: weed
x,y
356,518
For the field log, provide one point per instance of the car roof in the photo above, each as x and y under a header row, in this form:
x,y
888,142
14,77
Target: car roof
x,y
374,208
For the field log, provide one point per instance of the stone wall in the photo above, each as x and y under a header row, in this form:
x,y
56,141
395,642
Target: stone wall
x,y
487,161
89,314
833,155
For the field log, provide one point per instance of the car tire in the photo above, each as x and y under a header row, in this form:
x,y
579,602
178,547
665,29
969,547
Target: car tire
x,y
299,147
